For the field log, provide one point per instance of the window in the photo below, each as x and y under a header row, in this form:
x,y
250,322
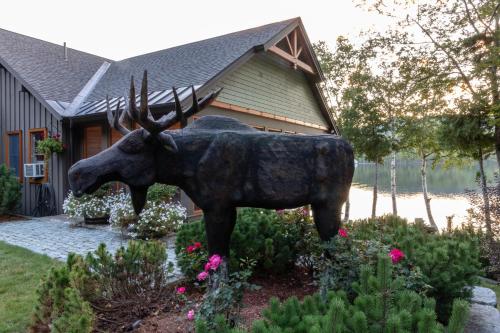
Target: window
x,y
35,135
14,153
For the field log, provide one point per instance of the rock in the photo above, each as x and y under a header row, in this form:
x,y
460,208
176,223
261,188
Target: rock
x,y
483,319
484,296
135,325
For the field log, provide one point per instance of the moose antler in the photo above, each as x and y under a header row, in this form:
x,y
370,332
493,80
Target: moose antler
x,y
146,120
144,117
116,120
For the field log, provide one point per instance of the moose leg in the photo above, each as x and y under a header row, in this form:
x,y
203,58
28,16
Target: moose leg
x,y
219,225
327,218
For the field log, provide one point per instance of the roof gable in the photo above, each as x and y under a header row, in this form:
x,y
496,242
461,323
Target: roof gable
x,y
190,64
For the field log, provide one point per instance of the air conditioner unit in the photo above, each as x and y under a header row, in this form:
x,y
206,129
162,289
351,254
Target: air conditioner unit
x,y
34,170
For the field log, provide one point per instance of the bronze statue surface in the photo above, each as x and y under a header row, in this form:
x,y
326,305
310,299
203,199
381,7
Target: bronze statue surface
x,y
222,164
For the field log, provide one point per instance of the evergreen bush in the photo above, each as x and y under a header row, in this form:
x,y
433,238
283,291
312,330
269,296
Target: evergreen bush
x,y
161,192
263,235
10,191
382,305
129,281
449,263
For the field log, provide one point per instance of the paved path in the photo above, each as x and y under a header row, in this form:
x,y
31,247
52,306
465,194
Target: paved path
x,y
56,237
484,316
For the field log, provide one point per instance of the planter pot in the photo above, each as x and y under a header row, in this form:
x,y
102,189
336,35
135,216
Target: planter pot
x,y
97,220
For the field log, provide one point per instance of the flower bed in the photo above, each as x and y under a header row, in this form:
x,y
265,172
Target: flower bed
x,y
157,219
378,275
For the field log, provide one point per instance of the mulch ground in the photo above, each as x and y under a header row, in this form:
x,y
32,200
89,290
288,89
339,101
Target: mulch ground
x,y
8,218
172,319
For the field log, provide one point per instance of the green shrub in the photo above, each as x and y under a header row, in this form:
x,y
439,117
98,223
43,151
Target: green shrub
x,y
10,193
449,262
263,235
129,281
449,266
161,192
382,305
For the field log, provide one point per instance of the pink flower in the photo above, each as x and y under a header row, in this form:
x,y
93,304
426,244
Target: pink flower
x,y
396,255
280,211
202,276
190,248
343,233
305,211
214,261
190,315
197,245
207,267
181,290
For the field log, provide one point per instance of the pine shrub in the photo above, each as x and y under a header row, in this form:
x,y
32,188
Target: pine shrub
x,y
10,191
263,235
130,281
449,263
382,305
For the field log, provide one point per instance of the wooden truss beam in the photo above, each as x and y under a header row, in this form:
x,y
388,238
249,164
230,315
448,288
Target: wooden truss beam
x,y
295,61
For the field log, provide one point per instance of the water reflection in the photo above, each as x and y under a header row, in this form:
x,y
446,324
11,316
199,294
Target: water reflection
x,y
446,186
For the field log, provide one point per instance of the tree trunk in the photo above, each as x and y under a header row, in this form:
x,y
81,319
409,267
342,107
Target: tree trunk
x,y
486,199
427,200
393,184
375,189
495,93
347,208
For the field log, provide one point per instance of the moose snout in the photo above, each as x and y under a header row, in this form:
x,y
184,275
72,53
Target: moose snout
x,y
80,179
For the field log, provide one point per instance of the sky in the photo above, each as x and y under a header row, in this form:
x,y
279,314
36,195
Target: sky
x,y
121,29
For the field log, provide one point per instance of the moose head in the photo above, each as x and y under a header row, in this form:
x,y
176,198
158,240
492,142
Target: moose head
x,y
132,160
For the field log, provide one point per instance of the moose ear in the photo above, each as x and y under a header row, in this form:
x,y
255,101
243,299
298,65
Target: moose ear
x,y
168,142
139,194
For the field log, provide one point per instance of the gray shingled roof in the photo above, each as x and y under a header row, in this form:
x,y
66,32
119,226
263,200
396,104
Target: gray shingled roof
x,y
185,65
43,66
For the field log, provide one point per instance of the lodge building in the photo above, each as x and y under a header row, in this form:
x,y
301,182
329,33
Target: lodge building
x,y
269,74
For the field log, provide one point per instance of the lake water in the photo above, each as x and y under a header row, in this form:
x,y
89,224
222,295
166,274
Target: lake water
x,y
447,188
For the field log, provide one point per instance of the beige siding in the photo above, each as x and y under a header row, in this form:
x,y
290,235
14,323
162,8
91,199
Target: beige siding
x,y
19,110
266,85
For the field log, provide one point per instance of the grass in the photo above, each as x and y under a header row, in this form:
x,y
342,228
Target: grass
x,y
495,288
20,274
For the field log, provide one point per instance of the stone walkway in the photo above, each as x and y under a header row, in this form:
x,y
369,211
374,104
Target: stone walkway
x,y
484,316
55,237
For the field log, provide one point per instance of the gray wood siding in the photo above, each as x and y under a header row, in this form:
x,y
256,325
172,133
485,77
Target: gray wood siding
x,y
19,110
265,84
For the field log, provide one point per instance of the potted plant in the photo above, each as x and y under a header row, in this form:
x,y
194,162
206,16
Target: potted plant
x,y
50,145
94,208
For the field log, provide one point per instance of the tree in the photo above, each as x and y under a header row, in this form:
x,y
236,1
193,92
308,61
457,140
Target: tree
x,y
468,133
419,130
465,35
338,66
365,123
357,99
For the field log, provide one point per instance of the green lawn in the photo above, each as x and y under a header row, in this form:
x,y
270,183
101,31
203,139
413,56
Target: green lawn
x,y
20,274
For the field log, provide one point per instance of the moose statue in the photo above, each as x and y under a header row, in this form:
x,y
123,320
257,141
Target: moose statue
x,y
221,164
